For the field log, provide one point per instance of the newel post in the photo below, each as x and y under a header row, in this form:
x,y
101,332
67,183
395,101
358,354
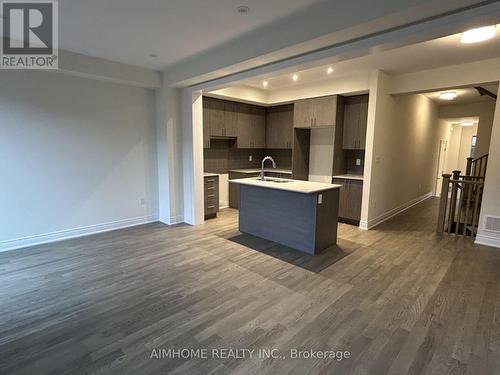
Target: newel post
x,y
445,188
468,169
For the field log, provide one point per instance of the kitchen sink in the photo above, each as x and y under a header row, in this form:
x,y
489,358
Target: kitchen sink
x,y
277,180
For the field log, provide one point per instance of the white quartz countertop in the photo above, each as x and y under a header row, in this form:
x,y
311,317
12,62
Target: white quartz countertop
x,y
297,186
208,174
350,177
257,170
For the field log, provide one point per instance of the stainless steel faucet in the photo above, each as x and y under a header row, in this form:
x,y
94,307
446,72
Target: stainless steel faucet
x,y
262,166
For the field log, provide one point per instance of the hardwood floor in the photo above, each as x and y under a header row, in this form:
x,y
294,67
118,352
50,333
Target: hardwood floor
x,y
400,298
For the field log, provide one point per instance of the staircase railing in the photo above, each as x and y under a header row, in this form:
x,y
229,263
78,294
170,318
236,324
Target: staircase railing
x,y
477,166
460,204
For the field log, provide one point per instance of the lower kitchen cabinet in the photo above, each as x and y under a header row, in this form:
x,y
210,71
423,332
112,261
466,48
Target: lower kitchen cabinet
x,y
234,189
211,193
351,194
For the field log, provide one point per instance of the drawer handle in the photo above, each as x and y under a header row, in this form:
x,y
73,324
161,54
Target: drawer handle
x,y
210,206
212,180
211,195
211,187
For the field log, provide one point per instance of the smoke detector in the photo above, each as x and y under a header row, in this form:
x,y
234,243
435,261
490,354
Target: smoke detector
x,y
243,9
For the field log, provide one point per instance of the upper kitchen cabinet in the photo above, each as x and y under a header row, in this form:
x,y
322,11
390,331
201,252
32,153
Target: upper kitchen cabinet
x,y
315,112
251,126
279,127
302,113
219,117
355,119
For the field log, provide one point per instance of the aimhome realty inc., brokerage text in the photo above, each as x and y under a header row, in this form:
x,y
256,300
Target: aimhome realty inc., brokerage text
x,y
246,353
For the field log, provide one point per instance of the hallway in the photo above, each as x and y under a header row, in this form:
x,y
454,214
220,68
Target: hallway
x,y
400,298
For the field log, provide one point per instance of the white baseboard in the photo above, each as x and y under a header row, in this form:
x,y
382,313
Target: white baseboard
x,y
395,211
488,240
44,238
176,219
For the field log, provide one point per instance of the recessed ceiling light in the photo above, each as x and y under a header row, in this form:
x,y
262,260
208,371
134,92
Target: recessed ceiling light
x,y
448,95
153,55
466,123
295,77
243,9
478,35
265,83
329,70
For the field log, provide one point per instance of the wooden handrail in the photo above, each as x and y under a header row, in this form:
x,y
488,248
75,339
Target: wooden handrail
x,y
460,213
477,166
480,157
466,182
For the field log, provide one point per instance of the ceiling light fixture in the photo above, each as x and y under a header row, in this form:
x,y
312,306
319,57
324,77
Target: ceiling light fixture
x,y
265,83
448,95
467,123
243,9
329,70
295,77
478,35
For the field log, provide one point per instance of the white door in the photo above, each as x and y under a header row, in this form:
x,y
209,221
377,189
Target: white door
x,y
440,168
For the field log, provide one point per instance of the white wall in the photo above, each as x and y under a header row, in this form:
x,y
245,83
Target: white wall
x,y
169,153
76,156
321,154
484,110
405,149
459,147
224,190
491,197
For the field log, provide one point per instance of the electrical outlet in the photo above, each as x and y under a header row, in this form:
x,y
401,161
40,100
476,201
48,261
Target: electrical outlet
x,y
143,201
249,157
358,161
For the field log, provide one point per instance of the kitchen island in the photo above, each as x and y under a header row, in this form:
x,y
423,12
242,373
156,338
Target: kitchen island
x,y
300,214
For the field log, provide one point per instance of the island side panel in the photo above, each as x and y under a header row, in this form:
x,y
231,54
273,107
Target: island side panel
x,y
327,214
281,216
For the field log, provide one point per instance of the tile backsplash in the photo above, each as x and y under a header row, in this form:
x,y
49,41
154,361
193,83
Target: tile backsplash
x,y
223,156
350,160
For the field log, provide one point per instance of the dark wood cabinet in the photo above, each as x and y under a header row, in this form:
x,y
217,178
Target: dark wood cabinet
x,y
251,126
234,189
315,112
355,122
279,127
206,125
351,195
219,119
211,195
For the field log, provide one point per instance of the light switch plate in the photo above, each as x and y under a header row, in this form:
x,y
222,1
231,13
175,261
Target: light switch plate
x,y
250,158
320,198
358,161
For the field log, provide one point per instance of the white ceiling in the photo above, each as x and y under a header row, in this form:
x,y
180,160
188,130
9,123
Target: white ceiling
x,y
465,95
129,30
430,54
